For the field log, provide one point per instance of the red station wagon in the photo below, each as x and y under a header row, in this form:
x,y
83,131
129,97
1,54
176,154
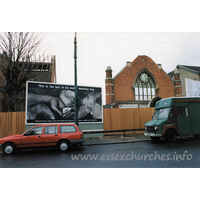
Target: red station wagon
x,y
45,135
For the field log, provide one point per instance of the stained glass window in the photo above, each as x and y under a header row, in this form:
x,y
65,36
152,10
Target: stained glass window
x,y
144,87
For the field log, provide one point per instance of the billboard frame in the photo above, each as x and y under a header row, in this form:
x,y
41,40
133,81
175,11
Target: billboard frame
x,y
59,88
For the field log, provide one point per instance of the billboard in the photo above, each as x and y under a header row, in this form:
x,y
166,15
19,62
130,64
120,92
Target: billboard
x,y
55,103
192,88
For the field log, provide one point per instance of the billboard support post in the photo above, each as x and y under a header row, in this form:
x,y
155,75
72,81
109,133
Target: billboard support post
x,y
75,80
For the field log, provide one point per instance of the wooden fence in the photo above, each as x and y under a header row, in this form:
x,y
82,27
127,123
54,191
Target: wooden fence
x,y
12,123
114,119
126,118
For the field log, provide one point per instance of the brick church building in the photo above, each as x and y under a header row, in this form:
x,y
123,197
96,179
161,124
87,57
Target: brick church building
x,y
139,84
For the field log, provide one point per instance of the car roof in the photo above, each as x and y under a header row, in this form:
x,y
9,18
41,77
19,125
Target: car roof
x,y
56,124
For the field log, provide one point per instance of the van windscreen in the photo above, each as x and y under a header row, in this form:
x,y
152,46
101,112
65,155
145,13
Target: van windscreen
x,y
161,113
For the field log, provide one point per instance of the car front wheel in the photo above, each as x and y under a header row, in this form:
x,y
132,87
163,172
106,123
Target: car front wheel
x,y
63,145
8,148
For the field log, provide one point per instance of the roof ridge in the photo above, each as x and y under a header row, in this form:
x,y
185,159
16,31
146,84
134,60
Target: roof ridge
x,y
120,72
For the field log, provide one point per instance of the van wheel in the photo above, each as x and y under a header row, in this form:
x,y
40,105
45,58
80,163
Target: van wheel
x,y
8,148
170,136
63,145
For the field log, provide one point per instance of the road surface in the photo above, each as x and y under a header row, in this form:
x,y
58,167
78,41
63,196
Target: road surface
x,y
185,153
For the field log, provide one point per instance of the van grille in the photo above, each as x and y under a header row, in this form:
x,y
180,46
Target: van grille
x,y
150,129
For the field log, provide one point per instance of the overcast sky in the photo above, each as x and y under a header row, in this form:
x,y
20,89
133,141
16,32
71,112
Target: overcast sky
x,y
97,50
110,33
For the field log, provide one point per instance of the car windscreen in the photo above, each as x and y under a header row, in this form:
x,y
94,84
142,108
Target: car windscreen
x,y
162,113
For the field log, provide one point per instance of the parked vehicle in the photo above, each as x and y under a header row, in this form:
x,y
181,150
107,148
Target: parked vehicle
x,y
61,136
175,116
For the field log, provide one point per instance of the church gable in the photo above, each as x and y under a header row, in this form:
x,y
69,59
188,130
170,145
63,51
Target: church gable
x,y
138,82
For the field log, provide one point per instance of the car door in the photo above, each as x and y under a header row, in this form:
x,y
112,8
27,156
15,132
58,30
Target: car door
x,y
32,138
50,137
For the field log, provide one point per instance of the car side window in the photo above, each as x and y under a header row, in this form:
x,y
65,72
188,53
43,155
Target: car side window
x,y
35,131
67,129
51,130
182,111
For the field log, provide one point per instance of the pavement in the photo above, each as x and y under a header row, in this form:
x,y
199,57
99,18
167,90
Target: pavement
x,y
115,139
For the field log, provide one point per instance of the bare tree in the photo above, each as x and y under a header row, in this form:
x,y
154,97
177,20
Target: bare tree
x,y
17,49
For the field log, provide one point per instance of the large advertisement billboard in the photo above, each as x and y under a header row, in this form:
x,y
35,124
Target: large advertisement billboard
x,y
55,103
192,88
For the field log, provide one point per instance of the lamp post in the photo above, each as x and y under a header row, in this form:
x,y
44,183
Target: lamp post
x,y
75,80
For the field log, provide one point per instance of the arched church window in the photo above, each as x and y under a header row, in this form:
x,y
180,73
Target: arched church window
x,y
144,87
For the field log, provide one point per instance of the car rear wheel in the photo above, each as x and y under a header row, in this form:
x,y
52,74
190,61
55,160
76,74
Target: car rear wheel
x,y
63,145
8,148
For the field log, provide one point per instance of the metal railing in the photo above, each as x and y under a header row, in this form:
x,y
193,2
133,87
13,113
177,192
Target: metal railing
x,y
124,131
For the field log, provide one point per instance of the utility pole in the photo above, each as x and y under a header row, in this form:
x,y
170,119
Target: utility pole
x,y
75,80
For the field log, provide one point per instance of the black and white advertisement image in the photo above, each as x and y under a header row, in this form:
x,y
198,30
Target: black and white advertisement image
x,y
55,103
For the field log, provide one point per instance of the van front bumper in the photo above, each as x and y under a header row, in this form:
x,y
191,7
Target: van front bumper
x,y
153,134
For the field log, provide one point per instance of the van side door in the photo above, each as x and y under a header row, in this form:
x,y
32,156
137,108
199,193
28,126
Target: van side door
x,y
194,108
183,118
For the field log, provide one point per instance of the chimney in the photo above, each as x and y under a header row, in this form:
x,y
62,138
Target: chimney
x,y
109,83
108,72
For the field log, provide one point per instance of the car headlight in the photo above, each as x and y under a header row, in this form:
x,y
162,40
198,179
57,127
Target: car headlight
x,y
156,128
